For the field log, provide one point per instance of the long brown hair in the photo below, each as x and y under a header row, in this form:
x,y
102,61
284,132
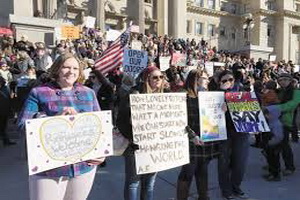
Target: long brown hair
x,y
191,82
58,63
146,86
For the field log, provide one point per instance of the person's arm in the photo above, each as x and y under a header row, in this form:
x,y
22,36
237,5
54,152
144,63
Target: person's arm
x,y
292,104
50,62
30,109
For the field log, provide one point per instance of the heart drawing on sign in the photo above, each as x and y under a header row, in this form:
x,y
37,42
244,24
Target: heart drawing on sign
x,y
70,139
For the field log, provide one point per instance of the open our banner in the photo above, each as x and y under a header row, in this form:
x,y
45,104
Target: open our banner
x,y
246,113
58,141
134,62
212,117
158,125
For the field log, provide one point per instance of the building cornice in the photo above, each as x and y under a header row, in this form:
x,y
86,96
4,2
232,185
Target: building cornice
x,y
292,14
205,11
267,12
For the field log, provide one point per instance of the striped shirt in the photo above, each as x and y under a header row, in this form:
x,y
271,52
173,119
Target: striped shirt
x,y
50,100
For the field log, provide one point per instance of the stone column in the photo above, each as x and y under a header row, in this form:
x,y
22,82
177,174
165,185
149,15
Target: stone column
x,y
162,17
98,11
141,16
177,9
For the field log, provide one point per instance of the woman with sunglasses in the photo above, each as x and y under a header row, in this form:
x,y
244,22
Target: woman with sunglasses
x,y
234,151
151,81
200,153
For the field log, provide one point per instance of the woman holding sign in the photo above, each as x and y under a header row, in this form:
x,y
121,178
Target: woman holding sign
x,y
234,150
64,95
152,81
200,153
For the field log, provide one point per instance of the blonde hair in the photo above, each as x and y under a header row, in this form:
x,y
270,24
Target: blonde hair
x,y
147,88
58,63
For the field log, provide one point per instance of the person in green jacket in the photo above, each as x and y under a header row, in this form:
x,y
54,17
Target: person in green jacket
x,y
290,99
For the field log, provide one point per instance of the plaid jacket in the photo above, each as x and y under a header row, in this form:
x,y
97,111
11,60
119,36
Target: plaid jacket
x,y
50,100
210,149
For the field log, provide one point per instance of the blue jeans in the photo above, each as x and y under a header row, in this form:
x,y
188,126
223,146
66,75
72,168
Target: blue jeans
x,y
232,162
132,180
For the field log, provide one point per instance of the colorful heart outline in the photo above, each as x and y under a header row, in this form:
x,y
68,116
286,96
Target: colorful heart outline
x,y
71,126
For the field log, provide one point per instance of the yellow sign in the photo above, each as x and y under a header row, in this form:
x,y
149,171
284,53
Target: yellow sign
x,y
71,32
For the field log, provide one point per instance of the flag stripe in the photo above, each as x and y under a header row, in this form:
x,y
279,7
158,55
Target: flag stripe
x,y
112,57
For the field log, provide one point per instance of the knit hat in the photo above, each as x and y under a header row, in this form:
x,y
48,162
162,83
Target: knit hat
x,y
148,71
2,63
285,75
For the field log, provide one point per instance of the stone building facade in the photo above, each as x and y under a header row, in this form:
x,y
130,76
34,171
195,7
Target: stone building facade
x,y
257,28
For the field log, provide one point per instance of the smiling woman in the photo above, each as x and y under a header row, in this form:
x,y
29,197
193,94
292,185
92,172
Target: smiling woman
x,y
63,95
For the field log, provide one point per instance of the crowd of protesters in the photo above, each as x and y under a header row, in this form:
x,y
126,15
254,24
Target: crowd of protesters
x,y
25,65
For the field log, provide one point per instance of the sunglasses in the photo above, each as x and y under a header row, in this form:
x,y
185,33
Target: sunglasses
x,y
92,77
226,80
157,77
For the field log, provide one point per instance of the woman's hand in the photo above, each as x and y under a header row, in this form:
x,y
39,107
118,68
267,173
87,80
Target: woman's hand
x,y
96,161
224,107
197,141
68,111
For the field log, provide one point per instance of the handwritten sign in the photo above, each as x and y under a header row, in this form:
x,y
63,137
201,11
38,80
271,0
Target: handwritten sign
x,y
164,63
246,113
134,61
136,44
58,141
179,59
209,67
158,125
90,22
272,58
71,32
212,118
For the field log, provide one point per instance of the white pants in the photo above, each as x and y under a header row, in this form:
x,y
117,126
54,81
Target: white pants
x,y
61,188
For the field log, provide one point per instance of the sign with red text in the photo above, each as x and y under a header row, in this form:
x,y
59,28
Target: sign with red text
x,y
179,59
246,113
158,126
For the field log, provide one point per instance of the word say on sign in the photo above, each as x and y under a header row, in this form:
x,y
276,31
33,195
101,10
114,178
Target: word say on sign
x,y
246,113
158,125
54,142
134,61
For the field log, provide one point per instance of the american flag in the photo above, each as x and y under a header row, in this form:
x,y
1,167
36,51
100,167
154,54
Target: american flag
x,y
112,57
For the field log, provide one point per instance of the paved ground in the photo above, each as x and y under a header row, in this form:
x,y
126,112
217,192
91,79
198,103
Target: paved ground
x,y
109,180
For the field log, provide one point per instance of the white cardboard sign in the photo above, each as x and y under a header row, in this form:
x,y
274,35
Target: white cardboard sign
x,y
58,141
158,125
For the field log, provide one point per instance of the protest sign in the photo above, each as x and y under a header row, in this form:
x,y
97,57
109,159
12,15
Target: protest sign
x,y
136,44
112,35
89,22
164,63
134,61
212,117
158,125
272,58
58,141
57,33
179,59
70,32
209,67
245,112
